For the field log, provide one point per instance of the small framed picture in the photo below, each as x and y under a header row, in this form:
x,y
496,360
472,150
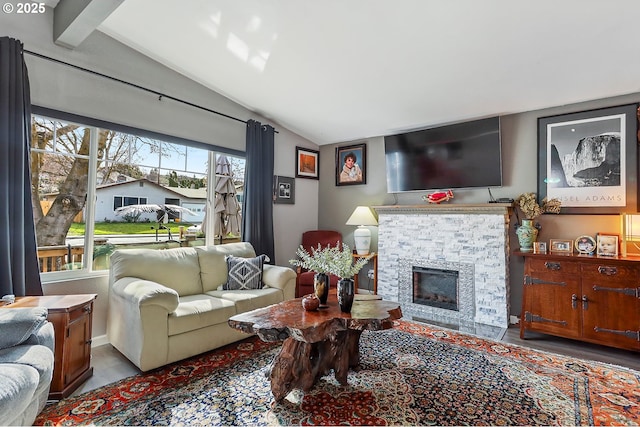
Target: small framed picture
x,y
307,163
585,245
561,246
539,247
351,165
284,190
607,244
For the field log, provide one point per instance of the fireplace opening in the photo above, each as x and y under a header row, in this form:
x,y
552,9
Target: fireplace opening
x,y
435,287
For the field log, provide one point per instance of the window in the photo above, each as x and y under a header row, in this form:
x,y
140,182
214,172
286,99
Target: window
x,y
82,175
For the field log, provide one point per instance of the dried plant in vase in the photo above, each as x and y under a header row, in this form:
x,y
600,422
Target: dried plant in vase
x,y
527,204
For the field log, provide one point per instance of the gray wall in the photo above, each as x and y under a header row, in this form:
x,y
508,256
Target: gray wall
x,y
66,89
520,153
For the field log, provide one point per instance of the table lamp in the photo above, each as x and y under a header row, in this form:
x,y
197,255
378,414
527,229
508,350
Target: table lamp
x,y
630,233
362,217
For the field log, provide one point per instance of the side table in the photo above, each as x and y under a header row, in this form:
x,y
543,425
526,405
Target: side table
x,y
374,258
71,316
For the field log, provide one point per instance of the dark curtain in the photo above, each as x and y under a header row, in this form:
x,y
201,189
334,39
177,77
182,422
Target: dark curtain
x,y
257,205
19,271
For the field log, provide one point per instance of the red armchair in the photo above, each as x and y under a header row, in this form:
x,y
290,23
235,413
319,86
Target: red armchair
x,y
310,239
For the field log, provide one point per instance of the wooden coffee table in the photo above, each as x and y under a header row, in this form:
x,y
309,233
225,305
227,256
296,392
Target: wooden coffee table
x,y
315,341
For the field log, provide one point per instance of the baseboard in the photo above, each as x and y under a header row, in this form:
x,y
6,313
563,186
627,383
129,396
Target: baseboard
x,y
100,340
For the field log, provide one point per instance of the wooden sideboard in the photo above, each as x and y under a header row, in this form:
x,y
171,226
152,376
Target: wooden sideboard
x,y
583,297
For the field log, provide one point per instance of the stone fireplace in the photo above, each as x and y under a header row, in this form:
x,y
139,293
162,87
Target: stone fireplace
x,y
467,246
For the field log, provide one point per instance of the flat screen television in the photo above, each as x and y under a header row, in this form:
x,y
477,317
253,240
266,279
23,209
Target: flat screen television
x,y
463,155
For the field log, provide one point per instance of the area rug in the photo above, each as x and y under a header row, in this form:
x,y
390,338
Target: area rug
x,y
413,374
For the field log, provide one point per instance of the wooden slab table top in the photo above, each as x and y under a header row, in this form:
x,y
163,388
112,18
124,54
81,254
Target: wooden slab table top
x,y
315,341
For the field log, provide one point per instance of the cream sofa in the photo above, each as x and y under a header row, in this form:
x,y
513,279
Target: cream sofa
x,y
167,305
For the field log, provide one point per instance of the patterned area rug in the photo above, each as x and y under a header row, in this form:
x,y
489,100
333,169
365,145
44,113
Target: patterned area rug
x,y
413,374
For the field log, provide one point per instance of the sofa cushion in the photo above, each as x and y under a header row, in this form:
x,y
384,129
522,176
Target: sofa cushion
x,y
18,324
199,311
213,267
176,268
247,300
19,383
244,273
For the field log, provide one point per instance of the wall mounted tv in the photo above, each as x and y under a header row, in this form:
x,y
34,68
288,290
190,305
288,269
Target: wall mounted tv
x,y
462,155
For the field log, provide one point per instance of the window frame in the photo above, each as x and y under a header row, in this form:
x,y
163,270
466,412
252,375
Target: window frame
x,y
94,125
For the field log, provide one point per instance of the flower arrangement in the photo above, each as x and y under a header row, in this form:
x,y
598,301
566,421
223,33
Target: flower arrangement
x,y
531,209
330,260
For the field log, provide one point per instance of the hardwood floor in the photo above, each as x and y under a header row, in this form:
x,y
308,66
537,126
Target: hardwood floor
x,y
110,366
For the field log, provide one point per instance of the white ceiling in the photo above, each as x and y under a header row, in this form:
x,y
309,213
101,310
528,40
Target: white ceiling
x,y
341,70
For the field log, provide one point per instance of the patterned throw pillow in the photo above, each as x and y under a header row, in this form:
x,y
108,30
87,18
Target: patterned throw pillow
x,y
244,273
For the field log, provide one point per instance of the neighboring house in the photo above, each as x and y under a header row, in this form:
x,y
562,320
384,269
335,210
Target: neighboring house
x,y
142,191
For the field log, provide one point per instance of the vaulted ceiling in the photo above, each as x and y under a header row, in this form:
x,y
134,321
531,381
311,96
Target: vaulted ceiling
x,y
341,70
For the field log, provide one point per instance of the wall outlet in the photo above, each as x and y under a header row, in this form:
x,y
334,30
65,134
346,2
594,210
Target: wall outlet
x,y
370,274
514,320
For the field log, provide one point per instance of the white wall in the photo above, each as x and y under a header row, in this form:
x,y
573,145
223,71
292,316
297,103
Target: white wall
x,y
73,91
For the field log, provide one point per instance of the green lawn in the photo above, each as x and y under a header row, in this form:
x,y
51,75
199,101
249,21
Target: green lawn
x,y
102,228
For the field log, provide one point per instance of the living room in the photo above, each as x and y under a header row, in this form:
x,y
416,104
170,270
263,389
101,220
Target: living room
x,y
319,204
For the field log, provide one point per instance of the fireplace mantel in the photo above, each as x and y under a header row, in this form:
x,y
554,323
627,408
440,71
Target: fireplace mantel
x,y
448,208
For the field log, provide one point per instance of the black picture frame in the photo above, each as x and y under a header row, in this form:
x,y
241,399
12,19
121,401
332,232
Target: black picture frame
x,y
568,171
358,175
307,163
284,190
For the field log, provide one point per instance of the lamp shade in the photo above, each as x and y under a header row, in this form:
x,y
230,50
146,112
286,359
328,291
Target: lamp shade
x,y
362,217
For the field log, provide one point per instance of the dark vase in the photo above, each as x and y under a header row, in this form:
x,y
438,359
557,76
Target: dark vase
x,y
346,291
321,287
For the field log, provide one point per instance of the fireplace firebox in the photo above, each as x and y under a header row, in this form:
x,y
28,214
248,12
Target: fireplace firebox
x,y
435,287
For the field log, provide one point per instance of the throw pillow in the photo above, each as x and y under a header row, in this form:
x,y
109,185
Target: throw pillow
x,y
244,273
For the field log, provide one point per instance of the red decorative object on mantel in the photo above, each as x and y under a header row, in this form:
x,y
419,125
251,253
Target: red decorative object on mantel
x,y
438,197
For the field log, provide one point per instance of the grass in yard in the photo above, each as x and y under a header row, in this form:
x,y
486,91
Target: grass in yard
x,y
104,228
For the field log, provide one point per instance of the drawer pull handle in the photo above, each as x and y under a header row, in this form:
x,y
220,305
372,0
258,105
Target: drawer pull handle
x,y
87,309
88,341
552,265
574,301
607,271
585,302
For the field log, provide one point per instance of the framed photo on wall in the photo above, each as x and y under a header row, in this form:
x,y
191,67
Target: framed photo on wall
x,y
351,165
307,163
586,159
284,190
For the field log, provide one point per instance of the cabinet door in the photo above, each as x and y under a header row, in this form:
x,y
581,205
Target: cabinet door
x,y
551,290
78,345
611,308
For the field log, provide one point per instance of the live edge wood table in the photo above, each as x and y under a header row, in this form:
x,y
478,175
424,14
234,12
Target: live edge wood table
x,y
315,341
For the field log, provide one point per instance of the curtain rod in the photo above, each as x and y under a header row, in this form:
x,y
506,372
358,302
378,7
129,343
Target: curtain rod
x,y
160,94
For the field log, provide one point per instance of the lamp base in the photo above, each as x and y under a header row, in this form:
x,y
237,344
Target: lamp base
x,y
362,238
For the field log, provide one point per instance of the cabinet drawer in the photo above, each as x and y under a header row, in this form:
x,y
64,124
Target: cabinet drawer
x,y
552,266
79,312
609,272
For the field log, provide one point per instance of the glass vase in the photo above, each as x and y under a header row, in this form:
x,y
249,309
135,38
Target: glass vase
x,y
346,292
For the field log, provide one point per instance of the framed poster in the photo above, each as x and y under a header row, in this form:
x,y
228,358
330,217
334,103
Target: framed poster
x,y
588,160
351,165
307,163
284,190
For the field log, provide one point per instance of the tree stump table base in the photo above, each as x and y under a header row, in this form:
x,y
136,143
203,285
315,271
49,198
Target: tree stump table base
x,y
314,342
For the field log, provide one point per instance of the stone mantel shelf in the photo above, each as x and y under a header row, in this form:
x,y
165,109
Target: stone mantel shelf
x,y
450,208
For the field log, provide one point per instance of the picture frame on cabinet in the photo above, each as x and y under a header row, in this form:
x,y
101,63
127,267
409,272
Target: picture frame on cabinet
x,y
561,246
585,245
351,165
539,247
586,157
608,244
